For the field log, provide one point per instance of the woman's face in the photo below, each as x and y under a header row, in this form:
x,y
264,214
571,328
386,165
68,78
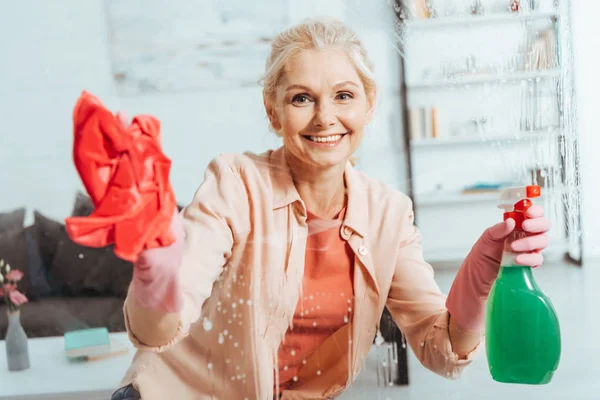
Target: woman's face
x,y
320,108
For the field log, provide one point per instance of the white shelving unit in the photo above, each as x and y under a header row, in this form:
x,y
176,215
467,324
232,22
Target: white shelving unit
x,y
441,167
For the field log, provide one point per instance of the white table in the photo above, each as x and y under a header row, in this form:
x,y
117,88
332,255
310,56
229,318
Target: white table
x,y
52,376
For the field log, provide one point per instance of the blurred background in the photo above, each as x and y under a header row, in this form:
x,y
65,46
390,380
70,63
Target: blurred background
x,y
473,96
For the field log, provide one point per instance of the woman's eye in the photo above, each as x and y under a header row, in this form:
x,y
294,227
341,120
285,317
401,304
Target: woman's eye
x,y
344,96
300,98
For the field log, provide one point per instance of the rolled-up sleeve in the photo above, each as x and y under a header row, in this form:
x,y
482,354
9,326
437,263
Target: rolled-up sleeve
x,y
218,213
418,307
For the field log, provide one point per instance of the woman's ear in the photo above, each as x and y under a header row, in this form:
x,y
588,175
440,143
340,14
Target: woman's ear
x,y
371,103
272,114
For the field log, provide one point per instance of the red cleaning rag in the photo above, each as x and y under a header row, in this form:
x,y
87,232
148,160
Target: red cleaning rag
x,y
127,176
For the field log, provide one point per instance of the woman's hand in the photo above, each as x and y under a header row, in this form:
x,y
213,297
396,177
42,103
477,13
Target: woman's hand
x,y
531,246
491,244
155,283
469,292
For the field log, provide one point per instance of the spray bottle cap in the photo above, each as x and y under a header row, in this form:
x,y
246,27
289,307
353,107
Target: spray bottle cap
x,y
517,202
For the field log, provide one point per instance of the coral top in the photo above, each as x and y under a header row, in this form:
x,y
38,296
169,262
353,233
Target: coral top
x,y
326,300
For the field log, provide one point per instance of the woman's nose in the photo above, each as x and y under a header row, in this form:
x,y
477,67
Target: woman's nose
x,y
324,116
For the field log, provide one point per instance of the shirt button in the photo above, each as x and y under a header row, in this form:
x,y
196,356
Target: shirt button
x,y
363,251
346,232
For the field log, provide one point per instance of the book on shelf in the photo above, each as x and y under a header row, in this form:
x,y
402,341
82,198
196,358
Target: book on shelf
x,y
424,123
485,187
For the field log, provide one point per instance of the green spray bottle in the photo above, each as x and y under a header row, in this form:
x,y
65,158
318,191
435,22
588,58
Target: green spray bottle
x,y
522,331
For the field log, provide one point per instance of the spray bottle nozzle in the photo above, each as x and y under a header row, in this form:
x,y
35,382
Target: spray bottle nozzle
x,y
518,202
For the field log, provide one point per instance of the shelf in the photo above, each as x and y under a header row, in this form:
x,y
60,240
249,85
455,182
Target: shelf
x,y
478,140
456,198
468,20
450,198
485,78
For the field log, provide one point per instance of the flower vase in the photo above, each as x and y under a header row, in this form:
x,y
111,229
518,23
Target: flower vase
x,y
17,349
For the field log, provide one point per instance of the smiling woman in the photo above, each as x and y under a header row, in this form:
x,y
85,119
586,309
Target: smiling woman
x,y
288,258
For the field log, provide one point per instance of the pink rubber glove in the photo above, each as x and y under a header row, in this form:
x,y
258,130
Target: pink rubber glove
x,y
468,295
155,284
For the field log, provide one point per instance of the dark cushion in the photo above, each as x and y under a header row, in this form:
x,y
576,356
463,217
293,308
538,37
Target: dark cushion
x,y
90,271
80,270
83,205
41,281
56,315
47,233
12,220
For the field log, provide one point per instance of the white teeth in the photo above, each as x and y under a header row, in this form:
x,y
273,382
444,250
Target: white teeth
x,y
325,139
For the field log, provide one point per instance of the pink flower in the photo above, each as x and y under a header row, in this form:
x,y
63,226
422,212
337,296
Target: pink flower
x,y
17,298
14,275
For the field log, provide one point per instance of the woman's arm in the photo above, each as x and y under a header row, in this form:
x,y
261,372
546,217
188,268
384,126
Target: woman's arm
x,y
218,212
463,341
418,307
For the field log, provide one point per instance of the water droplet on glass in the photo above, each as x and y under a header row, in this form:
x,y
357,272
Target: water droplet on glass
x,y
221,339
233,305
241,301
293,352
319,372
207,324
209,365
80,256
345,319
285,368
235,344
304,362
295,378
315,323
249,302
